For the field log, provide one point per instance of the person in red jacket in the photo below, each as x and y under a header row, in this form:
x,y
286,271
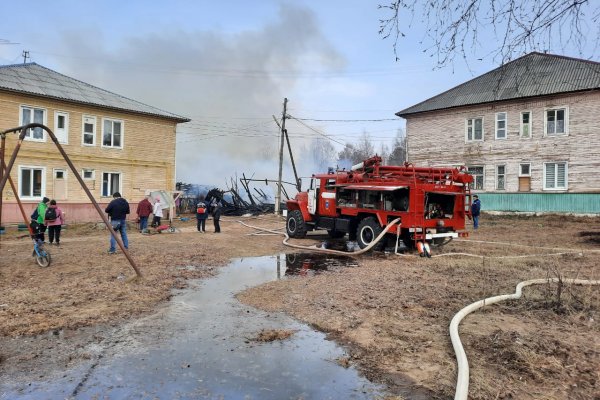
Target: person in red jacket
x,y
144,209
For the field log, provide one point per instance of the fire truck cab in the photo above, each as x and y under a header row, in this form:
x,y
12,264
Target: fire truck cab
x,y
431,204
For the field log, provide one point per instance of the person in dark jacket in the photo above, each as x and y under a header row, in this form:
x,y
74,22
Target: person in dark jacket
x,y
475,211
216,206
41,212
201,215
117,210
144,209
55,225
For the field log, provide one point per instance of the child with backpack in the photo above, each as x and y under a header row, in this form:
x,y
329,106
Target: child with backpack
x,y
54,219
37,219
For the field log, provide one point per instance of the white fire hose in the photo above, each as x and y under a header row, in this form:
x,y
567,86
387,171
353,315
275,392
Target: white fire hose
x,y
462,383
328,251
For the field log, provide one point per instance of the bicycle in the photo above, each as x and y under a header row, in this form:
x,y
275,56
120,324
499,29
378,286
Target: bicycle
x,y
42,256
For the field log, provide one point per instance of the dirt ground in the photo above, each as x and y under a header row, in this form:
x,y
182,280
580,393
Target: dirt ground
x,y
391,312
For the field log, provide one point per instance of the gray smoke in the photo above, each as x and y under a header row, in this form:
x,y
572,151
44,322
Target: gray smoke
x,y
208,74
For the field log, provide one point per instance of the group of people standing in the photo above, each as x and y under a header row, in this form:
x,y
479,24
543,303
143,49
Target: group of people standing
x,y
48,215
145,208
202,211
118,209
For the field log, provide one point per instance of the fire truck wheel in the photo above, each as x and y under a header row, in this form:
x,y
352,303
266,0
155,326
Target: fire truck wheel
x,y
336,234
295,225
367,231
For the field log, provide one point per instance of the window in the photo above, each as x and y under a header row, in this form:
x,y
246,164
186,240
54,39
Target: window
x,y
111,182
89,131
474,129
500,177
501,125
30,115
556,121
525,169
87,174
61,126
525,125
112,132
477,172
31,182
555,176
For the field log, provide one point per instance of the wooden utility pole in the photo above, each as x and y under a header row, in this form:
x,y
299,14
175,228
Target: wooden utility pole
x,y
282,139
287,139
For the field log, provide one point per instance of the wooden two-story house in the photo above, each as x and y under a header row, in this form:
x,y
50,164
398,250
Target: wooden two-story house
x,y
116,144
528,131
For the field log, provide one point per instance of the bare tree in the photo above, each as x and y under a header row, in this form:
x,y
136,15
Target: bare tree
x,y
322,153
348,156
355,153
365,148
520,26
384,153
398,154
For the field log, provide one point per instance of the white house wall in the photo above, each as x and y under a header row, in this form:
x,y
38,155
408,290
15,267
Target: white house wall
x,y
438,138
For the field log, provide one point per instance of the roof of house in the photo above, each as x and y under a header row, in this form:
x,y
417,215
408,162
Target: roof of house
x,y
534,74
34,79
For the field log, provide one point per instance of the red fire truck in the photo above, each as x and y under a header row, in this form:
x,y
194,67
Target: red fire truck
x,y
432,204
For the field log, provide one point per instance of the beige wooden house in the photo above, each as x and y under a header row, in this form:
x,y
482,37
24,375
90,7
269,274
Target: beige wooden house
x,y
528,131
116,144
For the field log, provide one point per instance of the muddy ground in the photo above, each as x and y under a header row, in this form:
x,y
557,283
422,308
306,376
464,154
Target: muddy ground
x,y
391,312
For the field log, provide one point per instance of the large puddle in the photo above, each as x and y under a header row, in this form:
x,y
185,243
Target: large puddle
x,y
200,346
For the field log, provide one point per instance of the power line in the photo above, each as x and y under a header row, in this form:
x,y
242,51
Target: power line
x,y
347,120
314,130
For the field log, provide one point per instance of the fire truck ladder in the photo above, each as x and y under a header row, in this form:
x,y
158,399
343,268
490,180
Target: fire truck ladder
x,y
418,217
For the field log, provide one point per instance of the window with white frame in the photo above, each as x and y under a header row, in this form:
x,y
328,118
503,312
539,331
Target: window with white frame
x,y
61,126
525,130
474,129
501,125
32,182
556,121
555,176
500,177
89,131
525,169
111,183
30,115
112,133
477,172
88,174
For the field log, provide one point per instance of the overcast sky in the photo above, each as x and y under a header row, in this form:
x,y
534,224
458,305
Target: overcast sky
x,y
228,65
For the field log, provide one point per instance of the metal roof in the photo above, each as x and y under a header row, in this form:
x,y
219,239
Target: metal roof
x,y
37,80
534,74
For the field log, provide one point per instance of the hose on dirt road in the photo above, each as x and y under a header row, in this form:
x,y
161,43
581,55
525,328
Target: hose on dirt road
x,y
462,382
327,251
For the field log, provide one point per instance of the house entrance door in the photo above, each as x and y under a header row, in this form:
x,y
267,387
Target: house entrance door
x,y
60,184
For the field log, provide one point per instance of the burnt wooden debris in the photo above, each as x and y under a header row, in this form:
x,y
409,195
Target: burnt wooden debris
x,y
237,199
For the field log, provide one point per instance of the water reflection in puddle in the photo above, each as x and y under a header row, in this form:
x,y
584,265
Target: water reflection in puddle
x,y
199,346
304,264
